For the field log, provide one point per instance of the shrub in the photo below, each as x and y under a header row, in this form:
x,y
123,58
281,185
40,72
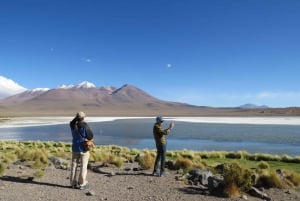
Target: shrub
x,y
118,162
231,190
236,176
39,156
294,178
183,163
188,154
233,155
269,180
9,157
146,160
263,165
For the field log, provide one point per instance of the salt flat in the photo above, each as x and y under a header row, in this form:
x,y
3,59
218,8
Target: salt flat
x,y
40,121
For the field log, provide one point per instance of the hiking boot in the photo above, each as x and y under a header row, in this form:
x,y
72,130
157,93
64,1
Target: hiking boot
x,y
86,186
155,173
162,174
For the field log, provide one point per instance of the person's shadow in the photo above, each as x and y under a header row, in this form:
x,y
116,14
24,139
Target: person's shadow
x,y
29,180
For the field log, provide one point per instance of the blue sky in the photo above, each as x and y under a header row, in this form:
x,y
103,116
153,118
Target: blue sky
x,y
203,52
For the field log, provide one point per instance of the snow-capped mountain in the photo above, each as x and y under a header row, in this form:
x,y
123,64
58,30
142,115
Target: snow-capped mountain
x,y
85,84
8,87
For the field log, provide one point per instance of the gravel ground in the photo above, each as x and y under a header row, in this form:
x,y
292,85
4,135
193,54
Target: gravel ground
x,y
119,186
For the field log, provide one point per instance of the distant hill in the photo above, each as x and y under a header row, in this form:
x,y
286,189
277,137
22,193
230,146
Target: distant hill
x,y
126,100
252,106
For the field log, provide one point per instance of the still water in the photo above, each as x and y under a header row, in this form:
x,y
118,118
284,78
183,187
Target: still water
x,y
137,133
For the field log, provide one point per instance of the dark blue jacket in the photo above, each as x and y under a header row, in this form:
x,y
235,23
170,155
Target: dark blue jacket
x,y
80,131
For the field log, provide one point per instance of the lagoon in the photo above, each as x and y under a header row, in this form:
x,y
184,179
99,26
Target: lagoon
x,y
270,135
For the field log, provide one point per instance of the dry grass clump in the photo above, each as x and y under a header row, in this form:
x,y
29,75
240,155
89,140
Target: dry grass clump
x,y
39,173
269,179
9,157
183,163
38,157
146,160
104,155
294,178
236,179
2,168
263,165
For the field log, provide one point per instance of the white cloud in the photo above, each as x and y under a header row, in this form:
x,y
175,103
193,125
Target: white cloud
x,y
9,87
86,60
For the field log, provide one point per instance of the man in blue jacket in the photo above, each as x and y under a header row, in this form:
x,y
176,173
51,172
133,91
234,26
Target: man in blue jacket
x,y
80,132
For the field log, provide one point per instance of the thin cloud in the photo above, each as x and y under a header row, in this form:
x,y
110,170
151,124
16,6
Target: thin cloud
x,y
273,99
169,65
86,60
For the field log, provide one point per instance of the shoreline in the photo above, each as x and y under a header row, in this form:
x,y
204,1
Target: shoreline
x,y
45,121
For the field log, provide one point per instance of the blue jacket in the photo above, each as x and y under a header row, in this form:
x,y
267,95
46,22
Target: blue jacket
x,y
78,138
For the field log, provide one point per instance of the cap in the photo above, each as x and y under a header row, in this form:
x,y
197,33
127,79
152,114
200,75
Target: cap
x,y
80,114
159,119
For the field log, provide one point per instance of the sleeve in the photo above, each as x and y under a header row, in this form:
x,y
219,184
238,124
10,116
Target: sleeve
x,y
73,123
89,133
85,130
159,130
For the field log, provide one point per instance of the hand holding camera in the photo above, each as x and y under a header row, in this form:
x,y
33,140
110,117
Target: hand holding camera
x,y
171,125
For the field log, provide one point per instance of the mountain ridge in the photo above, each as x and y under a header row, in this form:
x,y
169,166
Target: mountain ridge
x,y
127,100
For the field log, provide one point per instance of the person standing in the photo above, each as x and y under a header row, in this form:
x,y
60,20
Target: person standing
x,y
159,134
80,132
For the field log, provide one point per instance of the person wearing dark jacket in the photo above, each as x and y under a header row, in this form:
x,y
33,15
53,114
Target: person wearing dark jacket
x,y
80,132
159,134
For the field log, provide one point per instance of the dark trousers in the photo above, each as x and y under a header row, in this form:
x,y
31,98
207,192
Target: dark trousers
x,y
160,157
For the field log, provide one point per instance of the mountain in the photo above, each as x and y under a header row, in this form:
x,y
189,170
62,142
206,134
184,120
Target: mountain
x,y
252,106
126,100
9,87
64,100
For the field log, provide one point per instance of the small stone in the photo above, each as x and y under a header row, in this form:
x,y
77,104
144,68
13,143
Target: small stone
x,y
91,193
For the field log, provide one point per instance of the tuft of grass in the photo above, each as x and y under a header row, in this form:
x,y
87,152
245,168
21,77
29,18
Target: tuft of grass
x,y
146,160
269,179
118,162
38,156
9,157
235,175
183,163
294,178
39,174
231,190
263,165
2,169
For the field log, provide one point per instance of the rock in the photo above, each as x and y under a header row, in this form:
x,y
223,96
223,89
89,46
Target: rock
x,y
91,193
257,193
127,169
280,173
59,163
215,183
